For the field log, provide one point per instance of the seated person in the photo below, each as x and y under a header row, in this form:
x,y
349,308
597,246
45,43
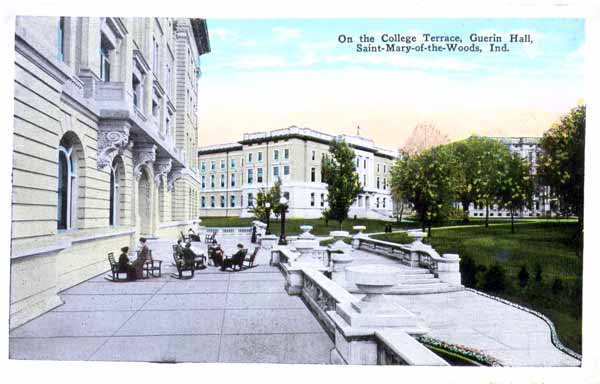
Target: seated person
x,y
179,249
125,266
235,259
193,236
215,254
190,257
143,256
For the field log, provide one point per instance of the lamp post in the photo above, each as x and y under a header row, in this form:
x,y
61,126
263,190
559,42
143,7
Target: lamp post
x,y
283,203
268,213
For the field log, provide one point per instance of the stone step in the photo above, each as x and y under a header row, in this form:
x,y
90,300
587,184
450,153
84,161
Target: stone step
x,y
422,289
431,280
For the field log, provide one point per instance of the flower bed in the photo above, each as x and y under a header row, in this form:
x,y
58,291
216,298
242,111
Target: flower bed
x,y
468,353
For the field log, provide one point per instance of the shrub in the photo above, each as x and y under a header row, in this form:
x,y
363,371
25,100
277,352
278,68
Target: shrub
x,y
538,272
494,279
468,270
523,276
557,285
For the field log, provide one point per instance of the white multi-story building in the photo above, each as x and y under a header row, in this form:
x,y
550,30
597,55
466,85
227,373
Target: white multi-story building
x,y
231,175
528,149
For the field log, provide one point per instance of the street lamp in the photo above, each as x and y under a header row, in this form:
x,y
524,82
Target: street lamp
x,y
268,213
283,203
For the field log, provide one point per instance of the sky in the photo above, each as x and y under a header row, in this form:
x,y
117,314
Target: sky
x,y
268,74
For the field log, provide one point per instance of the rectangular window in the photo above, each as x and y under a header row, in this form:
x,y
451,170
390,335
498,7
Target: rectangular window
x,y
287,196
212,181
286,170
384,183
136,86
357,162
213,166
313,173
360,201
61,39
212,201
276,155
203,166
259,175
203,202
286,154
203,181
232,165
232,203
378,183
384,168
322,199
377,202
259,156
222,201
250,157
275,172
250,200
365,163
384,202
222,181
233,179
314,154
104,60
312,199
364,180
250,176
222,165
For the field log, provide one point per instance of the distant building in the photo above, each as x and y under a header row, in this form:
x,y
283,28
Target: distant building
x,y
231,175
527,148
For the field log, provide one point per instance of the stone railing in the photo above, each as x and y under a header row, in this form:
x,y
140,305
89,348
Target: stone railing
x,y
322,295
381,346
229,230
416,254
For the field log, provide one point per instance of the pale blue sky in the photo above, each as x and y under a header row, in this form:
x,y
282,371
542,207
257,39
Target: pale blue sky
x,y
268,74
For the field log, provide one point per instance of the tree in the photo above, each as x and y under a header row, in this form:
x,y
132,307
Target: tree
x,y
339,173
523,276
489,171
561,163
516,186
398,201
426,180
271,196
423,137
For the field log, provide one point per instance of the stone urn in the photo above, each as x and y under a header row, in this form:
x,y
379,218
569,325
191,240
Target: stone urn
x,y
306,232
376,309
375,281
418,236
360,229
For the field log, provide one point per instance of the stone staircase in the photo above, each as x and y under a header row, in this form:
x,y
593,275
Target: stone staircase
x,y
417,281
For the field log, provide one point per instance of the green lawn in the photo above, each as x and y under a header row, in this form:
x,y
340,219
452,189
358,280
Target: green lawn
x,y
292,226
547,243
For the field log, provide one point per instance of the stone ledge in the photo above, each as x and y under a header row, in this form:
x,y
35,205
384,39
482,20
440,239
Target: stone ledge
x,y
409,349
176,224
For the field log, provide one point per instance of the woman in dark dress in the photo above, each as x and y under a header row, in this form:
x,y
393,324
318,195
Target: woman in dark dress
x,y
124,265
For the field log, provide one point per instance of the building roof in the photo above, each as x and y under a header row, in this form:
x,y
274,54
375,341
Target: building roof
x,y
357,142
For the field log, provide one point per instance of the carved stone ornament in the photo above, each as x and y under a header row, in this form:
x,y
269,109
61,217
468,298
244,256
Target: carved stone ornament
x,y
111,143
161,168
143,154
172,177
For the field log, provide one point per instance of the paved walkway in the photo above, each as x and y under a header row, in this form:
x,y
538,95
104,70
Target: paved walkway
x,y
215,317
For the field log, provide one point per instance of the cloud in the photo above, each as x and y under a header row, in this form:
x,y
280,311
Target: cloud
x,y
284,34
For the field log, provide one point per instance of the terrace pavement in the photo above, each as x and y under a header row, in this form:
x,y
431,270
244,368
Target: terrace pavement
x,y
242,317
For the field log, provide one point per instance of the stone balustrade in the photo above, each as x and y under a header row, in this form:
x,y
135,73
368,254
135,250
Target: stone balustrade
x,y
417,254
230,230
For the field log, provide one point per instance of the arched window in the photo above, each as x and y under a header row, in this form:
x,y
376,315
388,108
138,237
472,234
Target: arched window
x,y
116,174
66,187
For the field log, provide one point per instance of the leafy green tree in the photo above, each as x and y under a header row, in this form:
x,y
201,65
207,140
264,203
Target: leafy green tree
x,y
426,180
490,170
523,276
399,202
271,196
339,173
561,163
466,154
515,189
494,279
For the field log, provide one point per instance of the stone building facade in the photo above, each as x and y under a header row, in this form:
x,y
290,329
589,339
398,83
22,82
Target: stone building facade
x,y
231,175
528,148
104,145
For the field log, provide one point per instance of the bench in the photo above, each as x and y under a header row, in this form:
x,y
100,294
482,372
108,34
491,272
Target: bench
x,y
114,268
